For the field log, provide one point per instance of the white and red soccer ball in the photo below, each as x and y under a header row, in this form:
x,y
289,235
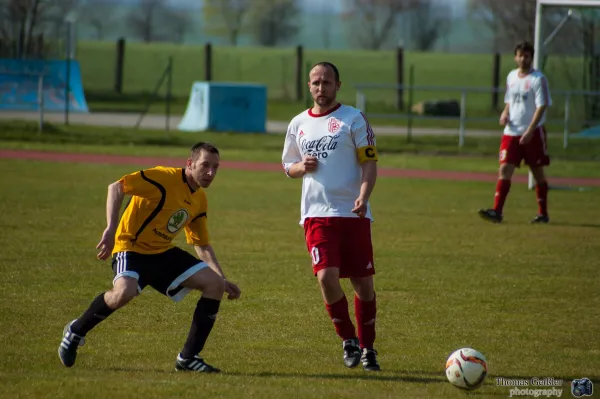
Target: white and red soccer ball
x,y
466,368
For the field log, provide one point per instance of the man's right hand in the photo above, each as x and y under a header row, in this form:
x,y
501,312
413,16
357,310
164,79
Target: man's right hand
x,y
106,244
503,119
309,163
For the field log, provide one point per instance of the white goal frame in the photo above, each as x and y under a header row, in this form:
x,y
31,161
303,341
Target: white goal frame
x,y
539,41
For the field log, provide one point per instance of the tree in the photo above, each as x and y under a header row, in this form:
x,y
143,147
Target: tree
x,y
98,16
429,22
374,22
142,19
227,17
274,21
24,24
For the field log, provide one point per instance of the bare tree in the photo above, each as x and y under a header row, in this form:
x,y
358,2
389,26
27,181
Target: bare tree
x,y
429,22
227,17
176,25
142,19
377,19
98,16
274,21
25,23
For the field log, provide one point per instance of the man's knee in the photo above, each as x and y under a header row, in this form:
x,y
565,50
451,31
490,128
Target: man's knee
x,y
208,281
506,171
363,286
123,292
329,277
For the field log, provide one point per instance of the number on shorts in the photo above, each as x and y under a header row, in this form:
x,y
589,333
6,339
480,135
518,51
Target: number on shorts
x,y
314,252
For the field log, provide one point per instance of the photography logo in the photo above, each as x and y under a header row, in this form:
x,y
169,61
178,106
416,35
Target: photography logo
x,y
582,387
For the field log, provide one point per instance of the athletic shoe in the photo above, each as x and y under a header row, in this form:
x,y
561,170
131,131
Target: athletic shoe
x,y
351,352
490,215
195,363
369,360
67,350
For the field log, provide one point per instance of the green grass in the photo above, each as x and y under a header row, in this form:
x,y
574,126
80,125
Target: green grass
x,y
145,63
523,295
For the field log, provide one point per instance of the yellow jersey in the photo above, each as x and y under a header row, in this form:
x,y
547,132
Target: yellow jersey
x,y
162,204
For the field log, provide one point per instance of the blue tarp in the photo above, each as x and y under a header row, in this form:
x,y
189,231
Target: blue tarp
x,y
19,80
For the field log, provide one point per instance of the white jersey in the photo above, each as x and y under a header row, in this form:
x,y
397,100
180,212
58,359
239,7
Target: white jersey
x,y
341,139
524,94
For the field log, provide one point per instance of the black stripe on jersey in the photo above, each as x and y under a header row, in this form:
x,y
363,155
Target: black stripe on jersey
x,y
199,216
186,182
156,210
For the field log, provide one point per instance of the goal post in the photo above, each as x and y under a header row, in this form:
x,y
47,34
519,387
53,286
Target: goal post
x,y
540,40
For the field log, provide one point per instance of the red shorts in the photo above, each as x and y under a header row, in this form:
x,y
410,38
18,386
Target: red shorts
x,y
340,242
535,153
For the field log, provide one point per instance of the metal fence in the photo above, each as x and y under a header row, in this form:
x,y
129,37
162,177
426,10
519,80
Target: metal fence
x,y
570,109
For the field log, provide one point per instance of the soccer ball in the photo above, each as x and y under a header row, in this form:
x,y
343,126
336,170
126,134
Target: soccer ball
x,y
466,368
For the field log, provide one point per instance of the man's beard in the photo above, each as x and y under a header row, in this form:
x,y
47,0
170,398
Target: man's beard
x,y
325,101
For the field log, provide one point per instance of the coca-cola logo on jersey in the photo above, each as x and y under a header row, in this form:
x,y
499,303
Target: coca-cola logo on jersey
x,y
319,148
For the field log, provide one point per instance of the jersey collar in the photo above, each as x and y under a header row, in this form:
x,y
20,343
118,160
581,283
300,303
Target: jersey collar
x,y
332,110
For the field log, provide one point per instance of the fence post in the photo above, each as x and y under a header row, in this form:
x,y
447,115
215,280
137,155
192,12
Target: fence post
x,y
567,120
400,77
411,83
41,101
463,114
208,62
169,90
299,73
119,65
496,81
360,101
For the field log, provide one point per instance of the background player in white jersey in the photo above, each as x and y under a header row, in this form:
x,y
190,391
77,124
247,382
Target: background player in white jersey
x,y
332,147
527,97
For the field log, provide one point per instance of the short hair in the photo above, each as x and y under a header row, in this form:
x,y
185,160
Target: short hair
x,y
203,146
326,64
524,47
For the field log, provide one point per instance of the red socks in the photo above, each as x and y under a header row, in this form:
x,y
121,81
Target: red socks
x,y
365,319
502,189
341,319
541,192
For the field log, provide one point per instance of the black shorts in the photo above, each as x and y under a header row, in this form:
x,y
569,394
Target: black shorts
x,y
164,272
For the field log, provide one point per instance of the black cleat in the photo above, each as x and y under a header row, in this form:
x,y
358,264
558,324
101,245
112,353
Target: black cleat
x,y
540,219
351,352
369,360
490,215
67,350
195,363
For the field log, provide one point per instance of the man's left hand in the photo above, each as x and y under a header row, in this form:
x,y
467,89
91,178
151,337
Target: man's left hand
x,y
232,290
360,207
526,138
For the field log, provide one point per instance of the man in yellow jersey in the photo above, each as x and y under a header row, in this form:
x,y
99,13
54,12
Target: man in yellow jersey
x,y
164,201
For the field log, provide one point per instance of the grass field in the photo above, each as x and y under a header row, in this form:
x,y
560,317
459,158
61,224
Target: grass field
x,y
145,63
523,295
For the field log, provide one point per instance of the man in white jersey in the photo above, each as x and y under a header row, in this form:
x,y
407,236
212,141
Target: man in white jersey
x,y
332,148
527,97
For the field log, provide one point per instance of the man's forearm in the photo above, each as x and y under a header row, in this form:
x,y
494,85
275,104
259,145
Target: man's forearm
x,y
207,254
369,177
537,117
296,170
114,200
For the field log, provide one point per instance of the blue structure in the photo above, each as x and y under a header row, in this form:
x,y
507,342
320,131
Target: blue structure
x,y
226,107
592,133
19,81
